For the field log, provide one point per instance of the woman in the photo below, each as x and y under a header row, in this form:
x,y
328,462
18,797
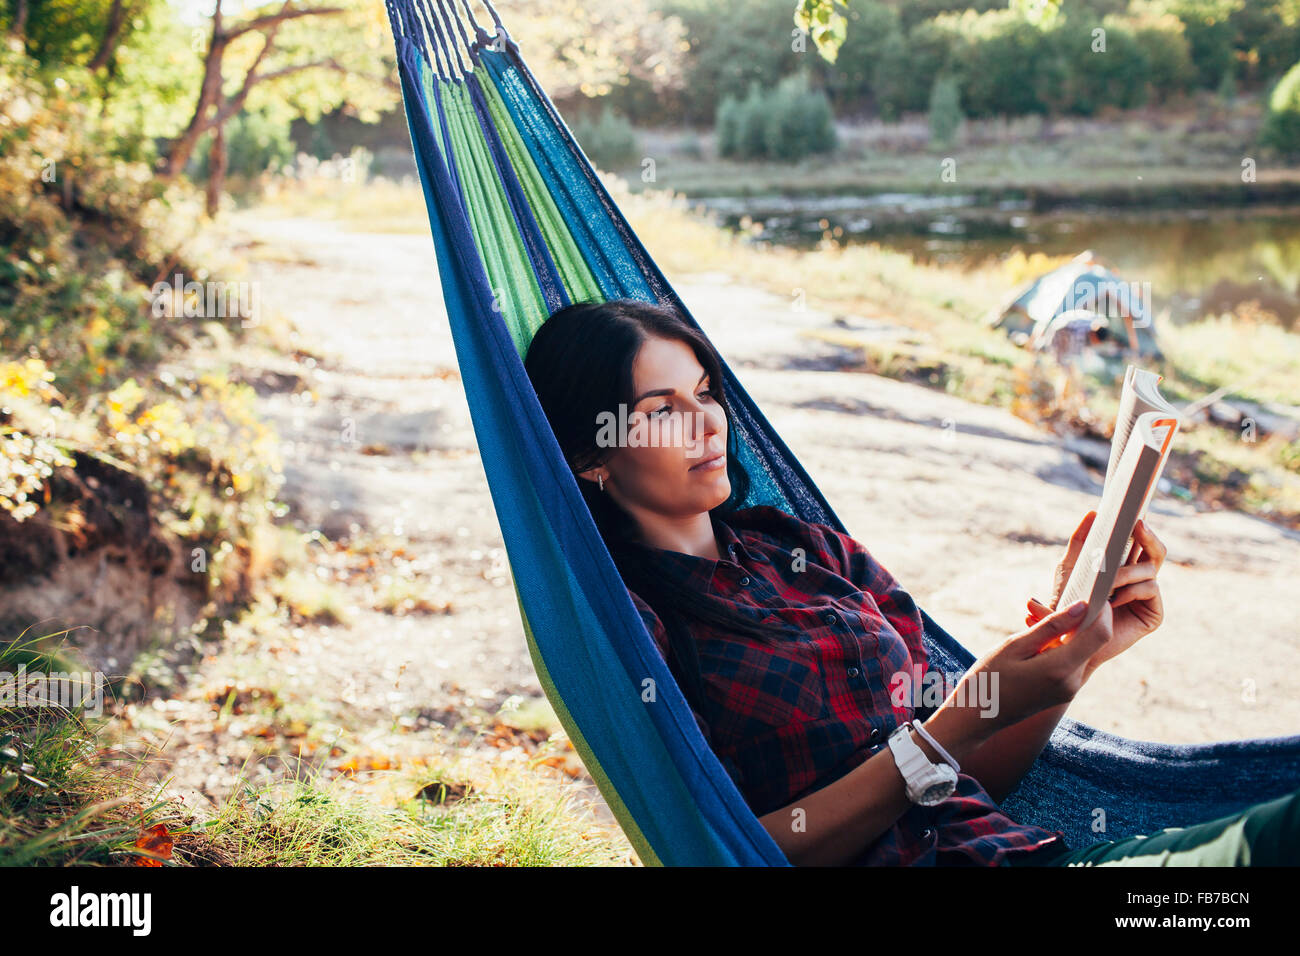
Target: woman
x,y
791,643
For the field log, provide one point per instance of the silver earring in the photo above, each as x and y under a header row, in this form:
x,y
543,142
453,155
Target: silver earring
x,y
601,480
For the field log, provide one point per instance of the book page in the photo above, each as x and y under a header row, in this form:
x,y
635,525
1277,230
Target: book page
x,y
1124,418
1111,535
1092,557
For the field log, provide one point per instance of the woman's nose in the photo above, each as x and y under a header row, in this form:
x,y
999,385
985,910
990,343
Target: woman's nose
x,y
706,421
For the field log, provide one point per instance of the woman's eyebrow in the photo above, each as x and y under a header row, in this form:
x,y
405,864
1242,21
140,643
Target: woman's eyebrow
x,y
663,391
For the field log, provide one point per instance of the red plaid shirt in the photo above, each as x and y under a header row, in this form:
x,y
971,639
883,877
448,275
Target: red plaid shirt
x,y
790,716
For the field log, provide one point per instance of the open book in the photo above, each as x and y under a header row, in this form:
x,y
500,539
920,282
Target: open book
x,y
1144,428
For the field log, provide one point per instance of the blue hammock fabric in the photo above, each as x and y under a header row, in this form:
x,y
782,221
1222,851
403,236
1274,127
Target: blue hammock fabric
x,y
592,652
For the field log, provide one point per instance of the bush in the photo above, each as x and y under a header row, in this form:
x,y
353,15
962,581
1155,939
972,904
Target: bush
x,y
82,230
1282,126
610,142
945,111
1116,76
1008,65
1168,57
255,144
784,124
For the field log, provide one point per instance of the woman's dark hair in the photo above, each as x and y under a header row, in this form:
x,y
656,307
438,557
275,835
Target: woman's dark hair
x,y
580,363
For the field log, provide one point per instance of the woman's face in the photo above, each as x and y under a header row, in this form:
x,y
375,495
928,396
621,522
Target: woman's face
x,y
674,427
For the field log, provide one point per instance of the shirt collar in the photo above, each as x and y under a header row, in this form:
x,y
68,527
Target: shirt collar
x,y
730,545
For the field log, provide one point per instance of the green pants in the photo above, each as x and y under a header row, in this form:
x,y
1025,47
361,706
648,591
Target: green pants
x,y
1266,834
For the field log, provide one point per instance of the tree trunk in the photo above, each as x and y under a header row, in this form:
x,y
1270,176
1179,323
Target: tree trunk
x,y
209,95
217,163
108,45
19,27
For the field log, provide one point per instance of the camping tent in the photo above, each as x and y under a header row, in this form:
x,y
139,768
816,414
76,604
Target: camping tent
x,y
1085,284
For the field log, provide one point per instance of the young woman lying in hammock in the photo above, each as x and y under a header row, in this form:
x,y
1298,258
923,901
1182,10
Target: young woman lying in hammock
x,y
788,638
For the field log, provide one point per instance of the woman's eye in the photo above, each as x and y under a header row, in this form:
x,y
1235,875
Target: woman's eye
x,y
665,409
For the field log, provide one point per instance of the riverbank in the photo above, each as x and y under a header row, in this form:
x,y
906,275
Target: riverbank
x,y
1203,156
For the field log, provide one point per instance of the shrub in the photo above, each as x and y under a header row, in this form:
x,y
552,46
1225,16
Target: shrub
x,y
945,111
255,144
1282,126
610,142
786,123
82,230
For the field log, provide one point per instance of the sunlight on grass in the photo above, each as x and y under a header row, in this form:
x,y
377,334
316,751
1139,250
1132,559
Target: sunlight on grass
x,y
466,813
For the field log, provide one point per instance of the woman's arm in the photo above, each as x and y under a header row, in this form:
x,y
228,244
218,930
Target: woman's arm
x,y
1000,762
833,825
843,818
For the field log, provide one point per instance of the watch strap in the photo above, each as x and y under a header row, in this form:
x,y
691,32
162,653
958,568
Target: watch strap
x,y
947,757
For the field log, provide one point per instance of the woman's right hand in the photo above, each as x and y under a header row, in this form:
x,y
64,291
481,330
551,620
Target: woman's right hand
x,y
1019,678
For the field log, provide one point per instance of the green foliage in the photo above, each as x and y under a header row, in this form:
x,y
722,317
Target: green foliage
x,y
609,140
930,50
1282,126
945,111
1166,52
824,24
786,123
255,143
1211,35
1104,65
145,88
1008,64
873,27
83,225
733,45
1010,58
1227,91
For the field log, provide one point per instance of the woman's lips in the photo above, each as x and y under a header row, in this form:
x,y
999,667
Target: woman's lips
x,y
711,464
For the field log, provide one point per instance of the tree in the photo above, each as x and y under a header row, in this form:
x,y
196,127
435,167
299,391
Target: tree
x,y
278,59
590,48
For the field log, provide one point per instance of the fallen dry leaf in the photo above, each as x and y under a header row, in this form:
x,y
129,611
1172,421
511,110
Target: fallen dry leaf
x,y
155,840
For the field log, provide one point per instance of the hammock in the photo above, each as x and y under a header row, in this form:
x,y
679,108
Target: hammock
x,y
522,226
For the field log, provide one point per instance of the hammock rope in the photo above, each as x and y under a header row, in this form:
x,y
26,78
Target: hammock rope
x,y
522,225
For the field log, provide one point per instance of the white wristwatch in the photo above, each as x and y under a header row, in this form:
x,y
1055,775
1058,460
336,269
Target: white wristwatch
x,y
927,783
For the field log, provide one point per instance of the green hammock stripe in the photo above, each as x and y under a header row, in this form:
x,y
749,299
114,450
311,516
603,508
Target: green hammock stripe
x,y
515,288
578,277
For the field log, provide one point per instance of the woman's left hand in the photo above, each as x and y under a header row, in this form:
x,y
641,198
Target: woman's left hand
x,y
1134,597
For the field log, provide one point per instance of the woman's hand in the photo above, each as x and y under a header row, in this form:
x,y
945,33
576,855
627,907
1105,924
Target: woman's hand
x,y
1029,672
1134,598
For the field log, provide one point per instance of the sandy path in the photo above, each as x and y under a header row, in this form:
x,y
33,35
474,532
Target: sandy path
x,y
966,505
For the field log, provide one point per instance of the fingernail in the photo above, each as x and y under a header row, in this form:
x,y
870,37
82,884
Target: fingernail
x,y
1077,609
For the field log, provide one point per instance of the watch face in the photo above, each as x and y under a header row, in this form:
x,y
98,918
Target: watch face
x,y
938,792
941,788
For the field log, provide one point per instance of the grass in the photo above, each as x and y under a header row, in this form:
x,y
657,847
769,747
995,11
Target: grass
x,y
70,797
500,817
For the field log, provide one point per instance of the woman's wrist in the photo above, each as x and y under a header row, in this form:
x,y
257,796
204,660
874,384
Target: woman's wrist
x,y
959,731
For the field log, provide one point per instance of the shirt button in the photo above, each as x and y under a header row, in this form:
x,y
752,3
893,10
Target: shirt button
x,y
853,672
875,733
829,617
744,582
925,834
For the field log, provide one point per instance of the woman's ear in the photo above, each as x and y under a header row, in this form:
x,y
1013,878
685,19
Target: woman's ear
x,y
593,474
